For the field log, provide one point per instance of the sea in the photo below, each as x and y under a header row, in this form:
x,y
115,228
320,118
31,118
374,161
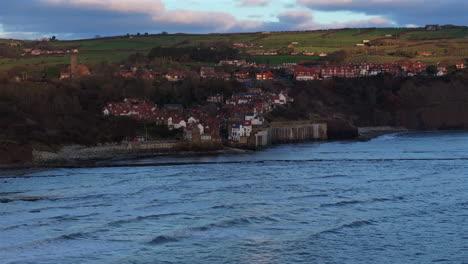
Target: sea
x,y
399,198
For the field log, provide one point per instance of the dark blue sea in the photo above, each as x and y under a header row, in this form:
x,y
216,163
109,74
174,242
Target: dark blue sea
x,y
400,198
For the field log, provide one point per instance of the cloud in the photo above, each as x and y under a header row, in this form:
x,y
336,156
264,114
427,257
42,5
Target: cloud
x,y
295,17
250,3
304,20
155,11
124,6
403,11
86,18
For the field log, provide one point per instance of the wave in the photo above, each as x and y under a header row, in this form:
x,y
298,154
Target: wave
x,y
67,217
334,176
71,236
191,231
355,224
352,202
224,206
163,239
24,199
308,196
142,218
440,260
11,227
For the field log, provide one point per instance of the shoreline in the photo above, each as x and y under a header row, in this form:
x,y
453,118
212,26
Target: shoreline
x,y
103,159
107,159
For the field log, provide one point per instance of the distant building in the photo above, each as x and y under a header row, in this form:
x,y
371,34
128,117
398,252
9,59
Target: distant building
x,y
263,76
425,53
232,63
36,52
217,99
175,76
65,75
14,44
240,45
460,66
242,75
306,74
433,28
207,72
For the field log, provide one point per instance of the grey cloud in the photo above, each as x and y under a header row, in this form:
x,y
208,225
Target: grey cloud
x,y
402,11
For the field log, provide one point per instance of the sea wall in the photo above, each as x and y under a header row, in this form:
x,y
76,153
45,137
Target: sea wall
x,y
150,145
296,131
77,153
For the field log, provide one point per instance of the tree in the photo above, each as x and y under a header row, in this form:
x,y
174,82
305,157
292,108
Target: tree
x,y
53,38
6,51
337,57
53,72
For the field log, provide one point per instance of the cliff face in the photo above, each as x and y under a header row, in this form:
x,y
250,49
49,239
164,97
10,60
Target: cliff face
x,y
440,117
440,104
421,103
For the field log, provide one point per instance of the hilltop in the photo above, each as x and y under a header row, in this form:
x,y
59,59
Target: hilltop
x,y
447,44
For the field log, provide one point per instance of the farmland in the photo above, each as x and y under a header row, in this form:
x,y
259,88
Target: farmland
x,y
448,45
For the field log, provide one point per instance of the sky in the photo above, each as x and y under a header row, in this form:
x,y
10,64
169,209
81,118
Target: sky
x,y
74,19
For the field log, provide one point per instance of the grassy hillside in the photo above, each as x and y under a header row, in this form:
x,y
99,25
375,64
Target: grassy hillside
x,y
451,45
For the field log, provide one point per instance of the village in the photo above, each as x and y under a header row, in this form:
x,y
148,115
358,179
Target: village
x,y
243,71
236,121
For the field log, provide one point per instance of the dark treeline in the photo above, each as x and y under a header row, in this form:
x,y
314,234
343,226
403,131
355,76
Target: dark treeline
x,y
417,103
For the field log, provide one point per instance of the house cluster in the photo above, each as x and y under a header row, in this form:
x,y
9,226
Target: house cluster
x,y
254,72
244,114
236,120
353,70
274,53
200,125
432,28
39,52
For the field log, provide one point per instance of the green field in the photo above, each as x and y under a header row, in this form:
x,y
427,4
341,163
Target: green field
x,y
450,45
280,59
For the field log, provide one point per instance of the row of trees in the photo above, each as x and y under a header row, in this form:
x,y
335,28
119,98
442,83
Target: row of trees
x,y
202,54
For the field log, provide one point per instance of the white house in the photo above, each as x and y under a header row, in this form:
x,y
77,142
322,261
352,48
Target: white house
x,y
174,123
240,130
192,120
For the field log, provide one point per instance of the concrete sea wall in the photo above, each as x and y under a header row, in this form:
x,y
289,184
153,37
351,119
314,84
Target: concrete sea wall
x,y
296,131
